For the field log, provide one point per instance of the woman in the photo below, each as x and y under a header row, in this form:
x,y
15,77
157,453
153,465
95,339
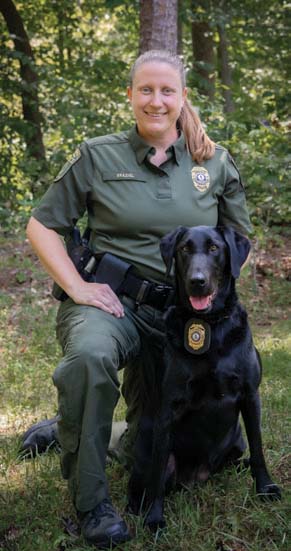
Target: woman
x,y
135,187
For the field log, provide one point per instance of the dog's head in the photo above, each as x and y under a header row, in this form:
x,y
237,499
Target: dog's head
x,y
205,260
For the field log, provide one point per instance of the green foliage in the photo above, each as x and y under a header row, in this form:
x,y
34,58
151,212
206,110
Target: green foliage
x,y
256,133
82,61
265,160
83,51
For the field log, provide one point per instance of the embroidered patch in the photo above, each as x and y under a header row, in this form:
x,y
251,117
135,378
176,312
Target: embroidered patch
x,y
75,157
200,178
197,336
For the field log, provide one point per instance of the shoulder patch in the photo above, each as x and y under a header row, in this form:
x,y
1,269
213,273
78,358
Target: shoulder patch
x,y
75,157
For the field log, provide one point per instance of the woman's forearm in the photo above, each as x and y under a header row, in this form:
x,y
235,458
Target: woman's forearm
x,y
51,251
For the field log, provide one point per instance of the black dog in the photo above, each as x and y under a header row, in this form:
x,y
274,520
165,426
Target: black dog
x,y
211,374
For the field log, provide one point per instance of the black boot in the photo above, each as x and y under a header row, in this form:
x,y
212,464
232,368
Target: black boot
x,y
103,527
40,437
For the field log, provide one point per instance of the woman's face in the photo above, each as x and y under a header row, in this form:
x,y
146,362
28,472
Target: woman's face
x,y
157,98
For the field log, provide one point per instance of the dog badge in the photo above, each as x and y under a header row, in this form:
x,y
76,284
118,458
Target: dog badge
x,y
197,336
200,178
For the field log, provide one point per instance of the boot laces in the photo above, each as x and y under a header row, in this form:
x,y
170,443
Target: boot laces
x,y
103,509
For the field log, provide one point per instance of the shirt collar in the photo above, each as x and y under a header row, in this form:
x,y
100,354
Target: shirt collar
x,y
142,148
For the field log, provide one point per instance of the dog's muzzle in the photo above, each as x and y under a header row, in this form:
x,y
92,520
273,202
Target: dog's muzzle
x,y
202,303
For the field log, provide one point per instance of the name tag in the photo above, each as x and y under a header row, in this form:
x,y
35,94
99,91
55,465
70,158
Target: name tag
x,y
123,175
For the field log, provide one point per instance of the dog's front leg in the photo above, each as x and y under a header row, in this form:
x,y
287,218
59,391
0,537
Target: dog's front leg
x,y
251,412
157,481
140,473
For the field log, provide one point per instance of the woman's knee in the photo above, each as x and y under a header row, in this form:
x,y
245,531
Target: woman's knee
x,y
87,381
94,349
88,362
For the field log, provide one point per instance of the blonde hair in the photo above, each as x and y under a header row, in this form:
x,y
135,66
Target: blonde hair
x,y
199,145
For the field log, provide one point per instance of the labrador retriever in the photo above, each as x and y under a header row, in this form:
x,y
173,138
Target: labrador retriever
x,y
210,373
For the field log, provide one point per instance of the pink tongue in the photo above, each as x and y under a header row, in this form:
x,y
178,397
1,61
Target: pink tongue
x,y
200,303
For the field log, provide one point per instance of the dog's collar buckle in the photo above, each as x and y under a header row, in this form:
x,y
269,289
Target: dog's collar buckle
x,y
197,336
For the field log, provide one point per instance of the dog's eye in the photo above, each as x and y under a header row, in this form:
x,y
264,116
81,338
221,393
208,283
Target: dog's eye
x,y
213,248
185,249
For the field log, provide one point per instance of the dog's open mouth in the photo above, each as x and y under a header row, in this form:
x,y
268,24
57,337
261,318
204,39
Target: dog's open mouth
x,y
201,303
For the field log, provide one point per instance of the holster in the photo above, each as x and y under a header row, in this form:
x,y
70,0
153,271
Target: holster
x,y
105,268
81,256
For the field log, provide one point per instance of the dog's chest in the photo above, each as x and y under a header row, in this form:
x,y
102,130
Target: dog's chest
x,y
211,380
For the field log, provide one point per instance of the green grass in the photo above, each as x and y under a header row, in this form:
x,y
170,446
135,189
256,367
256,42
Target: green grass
x,y
222,515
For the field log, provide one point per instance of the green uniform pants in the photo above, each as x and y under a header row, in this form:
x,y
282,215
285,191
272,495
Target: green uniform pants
x,y
95,346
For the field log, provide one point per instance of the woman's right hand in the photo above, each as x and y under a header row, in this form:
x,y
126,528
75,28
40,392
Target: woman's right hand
x,y
99,295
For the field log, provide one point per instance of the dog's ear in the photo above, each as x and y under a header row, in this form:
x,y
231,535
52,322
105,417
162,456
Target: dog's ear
x,y
239,247
168,244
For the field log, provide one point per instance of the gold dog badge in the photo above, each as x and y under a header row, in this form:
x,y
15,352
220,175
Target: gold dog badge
x,y
200,178
197,336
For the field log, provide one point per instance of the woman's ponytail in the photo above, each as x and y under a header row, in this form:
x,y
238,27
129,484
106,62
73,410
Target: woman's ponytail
x,y
199,145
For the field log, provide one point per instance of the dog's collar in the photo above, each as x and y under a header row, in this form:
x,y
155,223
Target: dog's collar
x,y
197,336
210,318
215,318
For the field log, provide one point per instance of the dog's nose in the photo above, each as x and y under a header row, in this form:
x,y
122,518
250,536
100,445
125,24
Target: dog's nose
x,y
198,281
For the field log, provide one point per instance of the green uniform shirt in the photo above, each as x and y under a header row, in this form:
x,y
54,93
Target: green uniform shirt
x,y
131,203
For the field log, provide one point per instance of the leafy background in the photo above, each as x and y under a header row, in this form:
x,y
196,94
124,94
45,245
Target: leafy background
x,y
82,53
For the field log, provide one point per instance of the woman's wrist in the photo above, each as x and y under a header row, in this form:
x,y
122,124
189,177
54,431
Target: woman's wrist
x,y
74,286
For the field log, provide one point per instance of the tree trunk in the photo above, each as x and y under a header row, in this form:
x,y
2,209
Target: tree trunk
x,y
179,29
224,69
29,94
158,25
203,54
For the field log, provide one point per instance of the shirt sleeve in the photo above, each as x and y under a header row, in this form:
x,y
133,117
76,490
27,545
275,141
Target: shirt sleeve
x,y
66,199
232,207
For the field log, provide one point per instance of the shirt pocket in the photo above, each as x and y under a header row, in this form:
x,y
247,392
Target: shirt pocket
x,y
122,175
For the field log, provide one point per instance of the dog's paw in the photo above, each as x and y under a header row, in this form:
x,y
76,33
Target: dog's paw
x,y
269,492
155,524
154,519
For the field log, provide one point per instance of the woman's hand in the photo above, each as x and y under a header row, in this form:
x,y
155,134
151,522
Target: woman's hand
x,y
51,252
99,295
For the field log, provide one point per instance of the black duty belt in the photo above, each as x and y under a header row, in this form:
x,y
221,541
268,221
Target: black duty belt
x,y
158,295
119,275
